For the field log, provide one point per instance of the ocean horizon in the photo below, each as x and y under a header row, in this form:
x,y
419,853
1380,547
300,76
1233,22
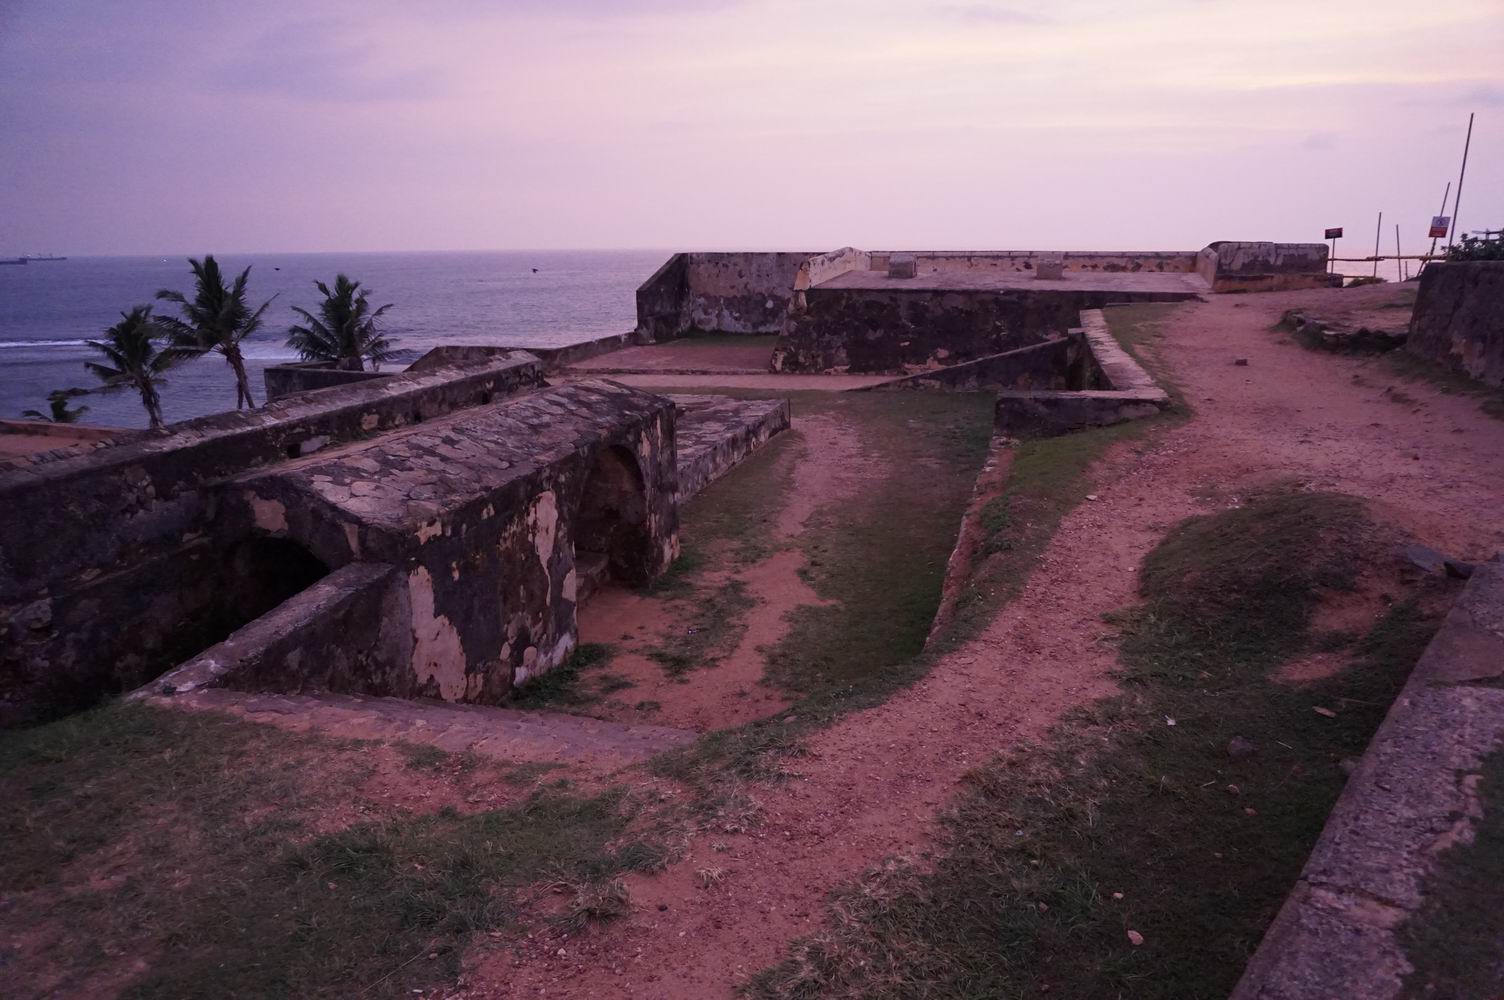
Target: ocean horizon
x,y
533,298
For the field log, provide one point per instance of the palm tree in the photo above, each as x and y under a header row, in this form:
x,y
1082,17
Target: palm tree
x,y
57,405
218,319
135,360
344,331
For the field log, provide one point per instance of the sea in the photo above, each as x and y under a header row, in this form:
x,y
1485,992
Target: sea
x,y
50,309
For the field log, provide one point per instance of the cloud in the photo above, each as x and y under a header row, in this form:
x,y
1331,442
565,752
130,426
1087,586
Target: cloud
x,y
1319,141
1487,95
986,13
308,60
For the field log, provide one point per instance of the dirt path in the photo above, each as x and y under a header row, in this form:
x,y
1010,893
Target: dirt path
x,y
873,782
830,467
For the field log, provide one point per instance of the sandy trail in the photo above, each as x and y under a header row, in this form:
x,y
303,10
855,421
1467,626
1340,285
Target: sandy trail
x,y
829,468
874,781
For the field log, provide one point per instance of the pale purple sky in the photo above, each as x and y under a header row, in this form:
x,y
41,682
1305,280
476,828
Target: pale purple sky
x,y
181,126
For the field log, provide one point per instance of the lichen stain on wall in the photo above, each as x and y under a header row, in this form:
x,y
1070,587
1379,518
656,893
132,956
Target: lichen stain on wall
x,y
437,653
268,515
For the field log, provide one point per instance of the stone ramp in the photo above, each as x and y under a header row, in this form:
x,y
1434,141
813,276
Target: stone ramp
x,y
714,433
502,733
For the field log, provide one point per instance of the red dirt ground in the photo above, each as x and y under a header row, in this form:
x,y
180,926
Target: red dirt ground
x,y
873,783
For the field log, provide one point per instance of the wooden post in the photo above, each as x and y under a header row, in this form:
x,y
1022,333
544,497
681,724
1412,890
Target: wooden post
x,y
1378,231
1456,202
1399,265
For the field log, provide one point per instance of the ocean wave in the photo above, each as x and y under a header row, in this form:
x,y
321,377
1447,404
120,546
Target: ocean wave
x,y
42,343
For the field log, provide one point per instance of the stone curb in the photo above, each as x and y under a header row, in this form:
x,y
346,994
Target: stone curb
x,y
1412,796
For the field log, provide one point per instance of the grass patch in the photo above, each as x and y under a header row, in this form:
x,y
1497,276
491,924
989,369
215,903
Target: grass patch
x,y
715,624
1453,940
563,686
1048,478
880,555
734,517
1126,822
190,840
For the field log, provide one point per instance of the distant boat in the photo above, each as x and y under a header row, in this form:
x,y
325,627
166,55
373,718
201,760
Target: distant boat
x,y
12,260
28,257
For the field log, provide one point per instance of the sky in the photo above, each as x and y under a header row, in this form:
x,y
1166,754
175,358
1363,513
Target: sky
x,y
186,126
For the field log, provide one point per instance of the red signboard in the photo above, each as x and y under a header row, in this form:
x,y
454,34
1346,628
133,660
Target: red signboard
x,y
1439,224
1334,234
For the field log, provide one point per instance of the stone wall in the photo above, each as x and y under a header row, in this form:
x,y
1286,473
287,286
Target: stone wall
x,y
108,572
285,380
896,331
349,632
662,301
1459,318
491,517
1063,363
1233,266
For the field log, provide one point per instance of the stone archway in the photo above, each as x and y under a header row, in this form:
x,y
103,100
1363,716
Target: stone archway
x,y
611,536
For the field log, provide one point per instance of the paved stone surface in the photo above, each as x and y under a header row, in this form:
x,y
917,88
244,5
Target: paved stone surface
x,y
1412,796
502,733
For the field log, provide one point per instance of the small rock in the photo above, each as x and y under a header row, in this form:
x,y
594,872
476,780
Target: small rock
x,y
1348,765
1458,569
1250,811
1425,558
1234,790
1324,711
1117,895
662,907
1239,748
1241,362
1135,938
1091,496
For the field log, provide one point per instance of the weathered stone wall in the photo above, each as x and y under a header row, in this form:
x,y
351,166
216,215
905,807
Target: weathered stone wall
x,y
1233,266
719,293
663,300
485,514
1063,363
1459,318
741,292
349,632
897,331
285,380
1120,390
108,573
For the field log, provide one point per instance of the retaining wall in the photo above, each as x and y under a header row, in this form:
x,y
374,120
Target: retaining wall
x,y
1234,266
1459,318
107,569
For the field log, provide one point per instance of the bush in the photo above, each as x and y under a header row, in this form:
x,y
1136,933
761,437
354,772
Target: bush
x,y
1476,248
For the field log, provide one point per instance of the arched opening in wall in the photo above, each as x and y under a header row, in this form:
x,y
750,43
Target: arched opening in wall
x,y
257,574
611,537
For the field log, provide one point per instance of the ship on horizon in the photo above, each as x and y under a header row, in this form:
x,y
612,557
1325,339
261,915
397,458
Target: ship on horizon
x,y
29,258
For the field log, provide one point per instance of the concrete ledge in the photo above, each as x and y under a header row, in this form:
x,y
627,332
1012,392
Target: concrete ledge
x,y
715,433
1130,394
1412,796
319,639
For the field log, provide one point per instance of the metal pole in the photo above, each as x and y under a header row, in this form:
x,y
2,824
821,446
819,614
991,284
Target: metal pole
x,y
1378,231
1442,212
1399,265
1461,174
